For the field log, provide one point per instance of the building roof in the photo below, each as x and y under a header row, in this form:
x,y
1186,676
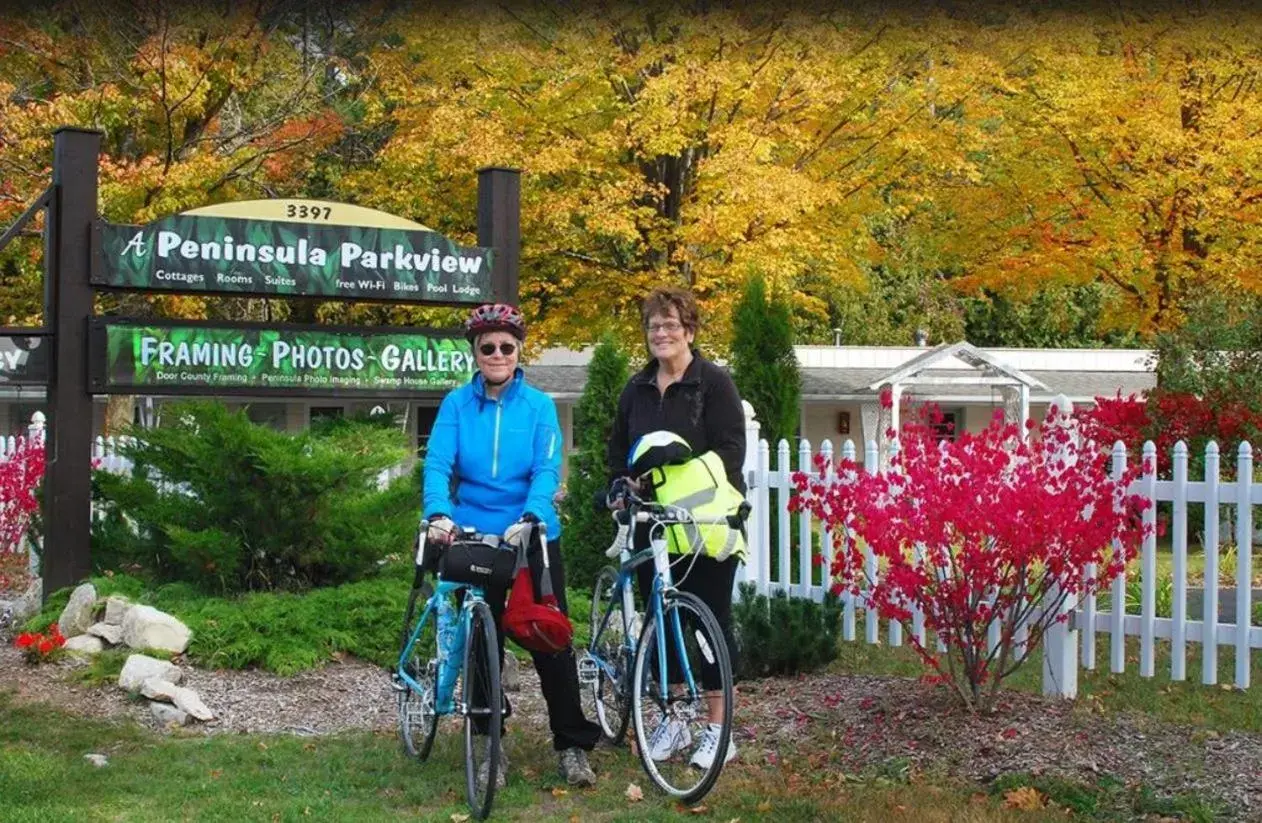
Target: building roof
x,y
925,366
831,373
819,384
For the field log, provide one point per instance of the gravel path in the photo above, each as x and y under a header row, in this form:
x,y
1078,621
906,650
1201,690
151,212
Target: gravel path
x,y
842,722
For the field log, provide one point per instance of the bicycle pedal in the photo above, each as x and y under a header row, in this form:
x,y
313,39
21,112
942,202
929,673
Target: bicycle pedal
x,y
397,683
588,670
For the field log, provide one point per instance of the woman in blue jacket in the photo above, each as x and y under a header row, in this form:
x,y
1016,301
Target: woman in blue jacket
x,y
493,463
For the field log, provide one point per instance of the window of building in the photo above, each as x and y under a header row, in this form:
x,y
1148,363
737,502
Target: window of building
x,y
325,413
425,417
267,414
948,428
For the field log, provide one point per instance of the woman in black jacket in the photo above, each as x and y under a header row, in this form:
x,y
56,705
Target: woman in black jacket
x,y
681,392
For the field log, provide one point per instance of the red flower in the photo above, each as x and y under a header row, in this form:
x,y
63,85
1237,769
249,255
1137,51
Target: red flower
x,y
969,531
46,646
24,640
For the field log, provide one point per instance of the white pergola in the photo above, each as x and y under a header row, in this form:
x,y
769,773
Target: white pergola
x,y
1013,384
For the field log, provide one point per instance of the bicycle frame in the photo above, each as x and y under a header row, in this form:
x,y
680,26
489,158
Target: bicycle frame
x,y
473,594
663,583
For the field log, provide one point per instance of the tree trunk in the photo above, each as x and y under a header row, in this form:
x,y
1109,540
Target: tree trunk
x,y
119,414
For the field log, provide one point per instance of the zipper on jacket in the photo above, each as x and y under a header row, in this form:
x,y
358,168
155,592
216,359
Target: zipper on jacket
x,y
495,448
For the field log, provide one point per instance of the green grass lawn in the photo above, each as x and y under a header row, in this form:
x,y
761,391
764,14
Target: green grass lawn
x,y
44,779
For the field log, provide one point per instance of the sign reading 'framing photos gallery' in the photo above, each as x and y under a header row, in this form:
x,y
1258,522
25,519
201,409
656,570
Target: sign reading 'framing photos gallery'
x,y
160,357
269,248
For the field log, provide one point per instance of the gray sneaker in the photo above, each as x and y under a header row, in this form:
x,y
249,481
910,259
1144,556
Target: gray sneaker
x,y
501,773
575,769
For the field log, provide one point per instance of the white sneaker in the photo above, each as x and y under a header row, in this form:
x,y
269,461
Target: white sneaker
x,y
668,738
703,757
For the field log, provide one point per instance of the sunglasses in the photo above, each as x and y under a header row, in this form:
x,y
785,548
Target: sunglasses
x,y
506,349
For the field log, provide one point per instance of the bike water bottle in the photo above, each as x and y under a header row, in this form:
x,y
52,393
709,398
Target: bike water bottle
x,y
448,666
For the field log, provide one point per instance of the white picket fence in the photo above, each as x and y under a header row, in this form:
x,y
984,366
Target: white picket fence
x,y
1073,645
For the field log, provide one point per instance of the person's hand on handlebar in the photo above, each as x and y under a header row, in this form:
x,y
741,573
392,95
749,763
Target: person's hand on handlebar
x,y
616,499
517,534
441,530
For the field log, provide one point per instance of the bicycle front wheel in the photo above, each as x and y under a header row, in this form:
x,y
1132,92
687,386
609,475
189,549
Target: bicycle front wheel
x,y
483,710
418,656
682,752
610,687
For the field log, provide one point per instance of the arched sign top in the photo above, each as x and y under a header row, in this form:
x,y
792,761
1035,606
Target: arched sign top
x,y
309,248
325,212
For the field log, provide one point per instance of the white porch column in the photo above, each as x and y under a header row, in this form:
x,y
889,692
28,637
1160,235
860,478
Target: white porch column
x,y
884,441
870,427
1016,406
748,571
1061,640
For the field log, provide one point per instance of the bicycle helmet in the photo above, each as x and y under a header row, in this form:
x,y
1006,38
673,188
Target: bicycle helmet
x,y
495,317
657,449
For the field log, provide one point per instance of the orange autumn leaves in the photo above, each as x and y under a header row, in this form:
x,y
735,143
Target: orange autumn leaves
x,y
1015,148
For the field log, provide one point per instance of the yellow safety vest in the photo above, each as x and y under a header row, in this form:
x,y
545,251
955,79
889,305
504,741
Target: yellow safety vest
x,y
701,486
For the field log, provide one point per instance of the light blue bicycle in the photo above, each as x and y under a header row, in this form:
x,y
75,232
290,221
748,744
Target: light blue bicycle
x,y
680,636
449,657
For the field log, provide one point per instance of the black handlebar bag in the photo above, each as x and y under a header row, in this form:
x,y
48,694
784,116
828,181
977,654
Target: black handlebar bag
x,y
481,564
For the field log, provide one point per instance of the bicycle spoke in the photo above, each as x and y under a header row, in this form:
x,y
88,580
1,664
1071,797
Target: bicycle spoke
x,y
415,679
672,712
482,705
606,670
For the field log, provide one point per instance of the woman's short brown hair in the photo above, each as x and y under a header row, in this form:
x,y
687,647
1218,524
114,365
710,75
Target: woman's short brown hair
x,y
662,300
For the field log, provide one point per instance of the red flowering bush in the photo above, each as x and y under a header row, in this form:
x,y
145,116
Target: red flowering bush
x,y
21,475
988,530
39,647
1166,417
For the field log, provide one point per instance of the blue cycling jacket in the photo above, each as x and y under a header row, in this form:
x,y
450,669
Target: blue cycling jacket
x,y
504,455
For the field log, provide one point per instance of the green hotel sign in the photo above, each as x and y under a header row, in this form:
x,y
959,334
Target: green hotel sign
x,y
156,357
293,247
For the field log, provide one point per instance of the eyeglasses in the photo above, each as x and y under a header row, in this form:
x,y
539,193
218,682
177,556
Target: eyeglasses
x,y
670,327
506,349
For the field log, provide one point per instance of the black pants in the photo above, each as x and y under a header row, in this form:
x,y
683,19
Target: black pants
x,y
558,673
712,581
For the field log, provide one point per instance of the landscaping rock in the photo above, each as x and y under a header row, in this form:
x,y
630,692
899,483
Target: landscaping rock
x,y
77,615
144,627
186,700
189,701
140,667
16,608
167,715
98,760
110,634
84,644
155,688
116,608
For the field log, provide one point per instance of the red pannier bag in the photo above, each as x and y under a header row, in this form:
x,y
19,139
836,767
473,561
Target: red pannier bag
x,y
535,624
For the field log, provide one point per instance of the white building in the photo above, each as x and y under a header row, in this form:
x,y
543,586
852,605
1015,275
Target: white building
x,y
840,388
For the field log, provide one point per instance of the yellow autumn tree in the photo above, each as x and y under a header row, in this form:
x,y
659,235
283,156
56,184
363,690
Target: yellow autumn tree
x,y
665,144
198,104
1125,148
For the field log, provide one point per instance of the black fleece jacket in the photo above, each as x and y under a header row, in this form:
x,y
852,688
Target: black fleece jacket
x,y
703,407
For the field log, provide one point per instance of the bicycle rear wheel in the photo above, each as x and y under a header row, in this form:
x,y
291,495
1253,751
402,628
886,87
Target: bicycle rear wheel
x,y
418,715
610,687
483,707
671,731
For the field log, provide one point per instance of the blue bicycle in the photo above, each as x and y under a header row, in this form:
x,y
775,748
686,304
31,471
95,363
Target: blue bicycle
x,y
451,639
624,662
